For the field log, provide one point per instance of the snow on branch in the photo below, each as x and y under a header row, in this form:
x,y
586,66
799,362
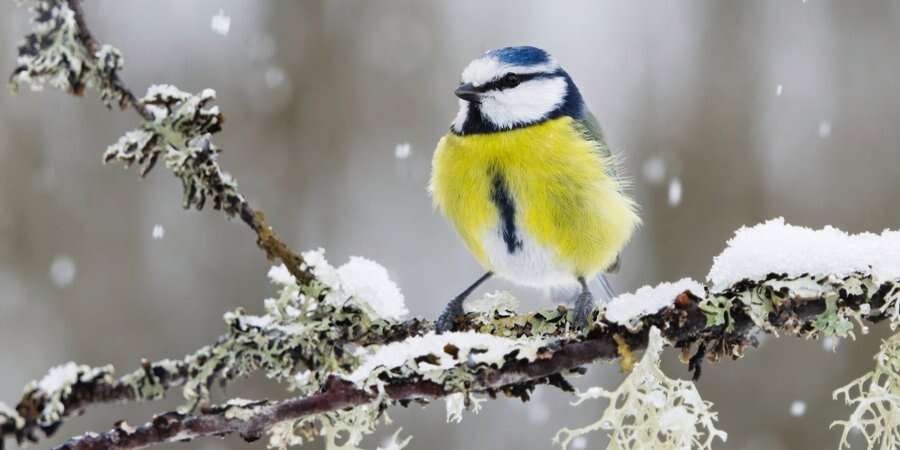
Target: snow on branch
x,y
338,340
330,344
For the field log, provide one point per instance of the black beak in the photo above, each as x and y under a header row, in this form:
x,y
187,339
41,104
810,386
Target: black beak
x,y
468,93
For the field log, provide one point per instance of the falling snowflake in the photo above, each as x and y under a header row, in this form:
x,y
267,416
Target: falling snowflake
x,y
275,77
798,408
158,232
579,443
402,150
675,192
824,129
654,170
62,271
220,23
778,90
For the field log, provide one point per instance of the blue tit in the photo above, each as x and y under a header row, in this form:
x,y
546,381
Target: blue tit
x,y
525,177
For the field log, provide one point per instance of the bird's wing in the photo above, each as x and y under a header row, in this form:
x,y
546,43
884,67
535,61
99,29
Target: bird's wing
x,y
593,131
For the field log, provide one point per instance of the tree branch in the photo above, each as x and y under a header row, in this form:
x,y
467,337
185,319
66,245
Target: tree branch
x,y
324,340
684,324
267,238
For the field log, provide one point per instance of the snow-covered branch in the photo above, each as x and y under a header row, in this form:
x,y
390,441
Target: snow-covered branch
x,y
337,337
339,342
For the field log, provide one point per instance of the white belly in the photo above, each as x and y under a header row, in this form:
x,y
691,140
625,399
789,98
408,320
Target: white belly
x,y
530,264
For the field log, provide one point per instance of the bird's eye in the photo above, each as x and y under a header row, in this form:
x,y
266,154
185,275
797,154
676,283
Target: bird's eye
x,y
510,80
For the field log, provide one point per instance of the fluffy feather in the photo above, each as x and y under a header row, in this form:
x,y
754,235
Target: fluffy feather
x,y
570,212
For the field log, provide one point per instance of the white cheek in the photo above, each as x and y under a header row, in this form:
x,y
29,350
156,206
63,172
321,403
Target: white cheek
x,y
528,102
461,116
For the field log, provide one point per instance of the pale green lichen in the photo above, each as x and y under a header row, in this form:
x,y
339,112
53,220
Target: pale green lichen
x,y
876,396
394,442
180,133
651,410
459,402
56,53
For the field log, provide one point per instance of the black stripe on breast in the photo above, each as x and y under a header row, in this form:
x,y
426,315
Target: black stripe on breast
x,y
507,209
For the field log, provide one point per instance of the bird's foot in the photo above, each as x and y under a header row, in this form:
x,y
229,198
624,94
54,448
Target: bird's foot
x,y
584,306
447,320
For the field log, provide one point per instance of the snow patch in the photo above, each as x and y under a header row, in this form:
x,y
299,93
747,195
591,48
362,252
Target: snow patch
x,y
627,309
777,247
59,377
449,350
368,282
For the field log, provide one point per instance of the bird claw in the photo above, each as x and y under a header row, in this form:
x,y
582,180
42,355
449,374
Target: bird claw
x,y
447,320
584,306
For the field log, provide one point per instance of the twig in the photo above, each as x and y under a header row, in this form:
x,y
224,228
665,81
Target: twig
x,y
266,237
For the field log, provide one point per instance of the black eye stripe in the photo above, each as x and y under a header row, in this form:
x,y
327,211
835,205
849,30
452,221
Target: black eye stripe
x,y
505,83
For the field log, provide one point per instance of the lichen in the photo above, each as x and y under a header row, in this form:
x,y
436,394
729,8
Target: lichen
x,y
876,396
650,410
56,53
180,133
50,392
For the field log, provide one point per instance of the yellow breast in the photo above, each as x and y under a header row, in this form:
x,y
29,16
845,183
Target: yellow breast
x,y
564,199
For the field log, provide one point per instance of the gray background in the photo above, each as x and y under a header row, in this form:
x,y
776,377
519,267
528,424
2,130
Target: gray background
x,y
692,83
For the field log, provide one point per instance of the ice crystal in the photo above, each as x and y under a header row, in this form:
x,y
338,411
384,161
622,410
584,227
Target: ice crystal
x,y
876,396
650,410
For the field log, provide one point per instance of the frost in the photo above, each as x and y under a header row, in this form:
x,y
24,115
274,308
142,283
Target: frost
x,y
158,232
824,129
220,23
654,170
675,192
402,151
368,282
394,442
798,408
650,410
777,247
627,309
876,396
62,271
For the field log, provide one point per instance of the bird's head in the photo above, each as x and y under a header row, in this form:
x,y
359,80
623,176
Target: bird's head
x,y
513,87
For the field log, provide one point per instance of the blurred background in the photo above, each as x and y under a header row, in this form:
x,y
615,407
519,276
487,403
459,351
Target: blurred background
x,y
729,113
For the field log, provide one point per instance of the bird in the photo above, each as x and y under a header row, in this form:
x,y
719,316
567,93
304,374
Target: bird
x,y
526,178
